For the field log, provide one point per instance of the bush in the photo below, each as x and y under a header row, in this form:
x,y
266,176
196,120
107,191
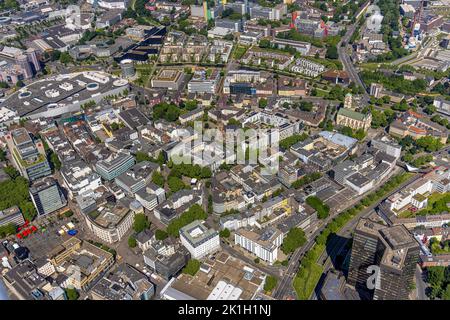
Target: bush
x,y
68,213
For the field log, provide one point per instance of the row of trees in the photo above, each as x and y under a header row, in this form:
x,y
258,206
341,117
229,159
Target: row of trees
x,y
310,271
194,213
290,141
306,180
394,82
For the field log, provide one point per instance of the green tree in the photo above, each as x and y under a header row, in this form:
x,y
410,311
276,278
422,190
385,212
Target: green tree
x,y
68,213
160,234
65,58
132,243
55,161
140,222
175,184
11,172
262,103
332,53
192,267
322,209
7,230
2,155
142,156
446,293
158,179
195,212
293,240
225,233
72,294
436,275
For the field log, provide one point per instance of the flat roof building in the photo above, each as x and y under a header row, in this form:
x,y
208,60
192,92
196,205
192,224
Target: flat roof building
x,y
199,240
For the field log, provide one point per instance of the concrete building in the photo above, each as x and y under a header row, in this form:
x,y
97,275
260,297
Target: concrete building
x,y
442,106
199,240
128,70
78,178
262,243
114,165
62,93
166,258
11,215
80,263
17,64
202,82
47,196
123,283
387,145
168,78
376,90
111,221
28,155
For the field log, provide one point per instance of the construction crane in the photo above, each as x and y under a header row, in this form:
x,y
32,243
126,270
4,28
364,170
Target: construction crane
x,y
417,16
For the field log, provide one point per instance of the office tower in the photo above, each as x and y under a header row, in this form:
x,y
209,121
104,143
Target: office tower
x,y
33,59
22,61
47,196
391,249
376,89
28,155
128,70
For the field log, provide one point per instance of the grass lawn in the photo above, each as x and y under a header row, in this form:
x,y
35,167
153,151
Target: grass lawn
x,y
322,93
406,214
437,203
309,274
306,280
239,51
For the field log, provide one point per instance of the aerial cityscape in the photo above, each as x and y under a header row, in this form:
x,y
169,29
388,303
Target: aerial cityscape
x,y
225,150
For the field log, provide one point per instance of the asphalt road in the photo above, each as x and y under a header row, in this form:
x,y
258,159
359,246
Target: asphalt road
x,y
286,282
347,63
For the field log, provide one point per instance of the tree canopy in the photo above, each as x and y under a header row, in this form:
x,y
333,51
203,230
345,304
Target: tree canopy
x,y
293,240
192,267
140,222
322,209
196,212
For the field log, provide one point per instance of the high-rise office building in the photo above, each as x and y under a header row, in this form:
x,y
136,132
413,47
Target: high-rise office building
x,y
28,155
387,255
47,196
